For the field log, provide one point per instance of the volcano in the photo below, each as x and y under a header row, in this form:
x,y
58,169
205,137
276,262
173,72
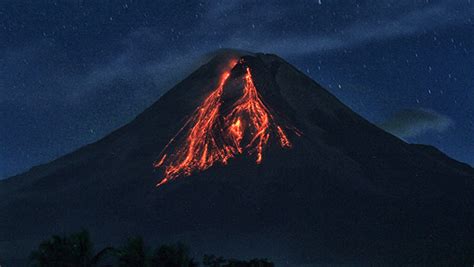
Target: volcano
x,y
216,137
248,157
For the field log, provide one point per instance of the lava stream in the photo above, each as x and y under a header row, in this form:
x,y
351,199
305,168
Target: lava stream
x,y
214,137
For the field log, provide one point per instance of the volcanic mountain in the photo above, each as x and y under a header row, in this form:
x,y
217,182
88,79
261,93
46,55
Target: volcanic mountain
x,y
248,157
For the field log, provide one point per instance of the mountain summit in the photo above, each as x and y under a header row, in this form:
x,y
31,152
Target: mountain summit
x,y
228,123
252,159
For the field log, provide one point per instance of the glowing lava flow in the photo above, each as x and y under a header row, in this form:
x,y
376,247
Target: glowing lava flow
x,y
250,107
214,137
201,148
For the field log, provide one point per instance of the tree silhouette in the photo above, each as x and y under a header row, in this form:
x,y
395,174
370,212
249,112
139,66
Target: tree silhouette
x,y
73,251
213,261
174,255
77,250
133,254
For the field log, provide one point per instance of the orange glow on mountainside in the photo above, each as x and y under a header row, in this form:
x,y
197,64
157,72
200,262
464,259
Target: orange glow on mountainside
x,y
215,137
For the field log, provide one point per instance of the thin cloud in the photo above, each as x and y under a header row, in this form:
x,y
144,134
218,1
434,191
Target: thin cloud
x,y
165,68
359,33
356,34
414,122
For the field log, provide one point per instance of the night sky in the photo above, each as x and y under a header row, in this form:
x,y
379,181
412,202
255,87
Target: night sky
x,y
73,71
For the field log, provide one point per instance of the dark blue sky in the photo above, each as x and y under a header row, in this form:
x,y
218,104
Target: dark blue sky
x,y
72,71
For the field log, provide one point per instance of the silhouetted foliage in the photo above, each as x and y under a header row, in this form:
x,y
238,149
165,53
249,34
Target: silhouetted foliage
x,y
175,255
133,254
213,261
75,250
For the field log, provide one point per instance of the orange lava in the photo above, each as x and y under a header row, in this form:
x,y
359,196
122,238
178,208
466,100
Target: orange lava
x,y
214,137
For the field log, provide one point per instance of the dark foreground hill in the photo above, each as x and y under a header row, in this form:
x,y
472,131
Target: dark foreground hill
x,y
344,192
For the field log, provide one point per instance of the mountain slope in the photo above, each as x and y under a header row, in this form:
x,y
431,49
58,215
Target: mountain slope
x,y
345,192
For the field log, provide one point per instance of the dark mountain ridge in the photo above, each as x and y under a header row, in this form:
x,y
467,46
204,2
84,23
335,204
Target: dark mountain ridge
x,y
346,191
